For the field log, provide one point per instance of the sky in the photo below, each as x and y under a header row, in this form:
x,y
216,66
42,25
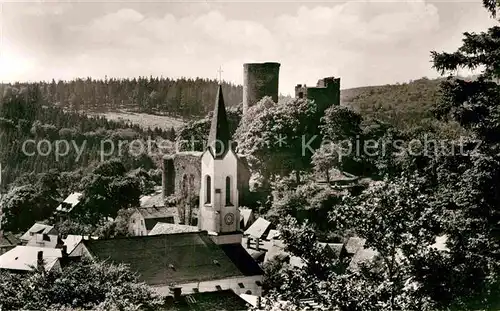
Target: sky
x,y
362,42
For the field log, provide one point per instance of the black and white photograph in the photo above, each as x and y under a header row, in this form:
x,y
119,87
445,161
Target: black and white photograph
x,y
250,155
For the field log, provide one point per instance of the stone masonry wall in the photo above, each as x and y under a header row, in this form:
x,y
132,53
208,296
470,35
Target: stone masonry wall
x,y
259,80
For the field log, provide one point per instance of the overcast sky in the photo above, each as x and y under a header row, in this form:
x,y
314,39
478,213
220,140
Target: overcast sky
x,y
362,42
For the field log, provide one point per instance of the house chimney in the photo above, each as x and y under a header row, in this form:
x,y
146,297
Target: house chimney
x,y
177,291
64,251
39,259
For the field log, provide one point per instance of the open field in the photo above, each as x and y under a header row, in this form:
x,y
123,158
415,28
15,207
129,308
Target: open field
x,y
145,120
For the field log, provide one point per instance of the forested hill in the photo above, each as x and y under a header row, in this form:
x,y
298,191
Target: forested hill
x,y
185,98
403,105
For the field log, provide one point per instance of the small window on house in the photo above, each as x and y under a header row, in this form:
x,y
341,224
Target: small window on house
x,y
218,287
133,221
228,191
208,190
142,222
241,285
301,94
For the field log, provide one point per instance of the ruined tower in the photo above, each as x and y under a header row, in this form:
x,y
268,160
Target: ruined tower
x,y
259,80
325,94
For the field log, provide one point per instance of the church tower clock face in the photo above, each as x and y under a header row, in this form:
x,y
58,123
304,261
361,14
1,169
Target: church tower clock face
x,y
229,219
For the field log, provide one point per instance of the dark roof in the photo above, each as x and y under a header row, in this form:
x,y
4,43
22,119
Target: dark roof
x,y
219,138
176,258
241,259
156,214
224,300
7,239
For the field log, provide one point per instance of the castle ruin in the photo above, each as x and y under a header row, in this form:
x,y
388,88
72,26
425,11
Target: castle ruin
x,y
325,94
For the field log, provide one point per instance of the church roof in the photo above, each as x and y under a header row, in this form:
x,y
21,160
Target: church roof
x,y
219,138
176,258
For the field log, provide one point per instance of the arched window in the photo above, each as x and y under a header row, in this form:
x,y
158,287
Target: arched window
x,y
208,189
228,191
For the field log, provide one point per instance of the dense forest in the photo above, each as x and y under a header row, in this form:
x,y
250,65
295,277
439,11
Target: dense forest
x,y
31,130
185,98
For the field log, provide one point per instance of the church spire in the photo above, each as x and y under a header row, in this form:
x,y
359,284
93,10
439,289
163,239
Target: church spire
x,y
218,138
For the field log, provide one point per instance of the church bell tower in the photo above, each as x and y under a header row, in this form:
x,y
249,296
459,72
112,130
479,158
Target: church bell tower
x,y
219,213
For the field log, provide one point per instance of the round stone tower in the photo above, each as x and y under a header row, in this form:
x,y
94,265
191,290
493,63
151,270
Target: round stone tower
x,y
259,80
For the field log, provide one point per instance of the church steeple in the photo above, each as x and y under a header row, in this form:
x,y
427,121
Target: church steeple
x,y
218,138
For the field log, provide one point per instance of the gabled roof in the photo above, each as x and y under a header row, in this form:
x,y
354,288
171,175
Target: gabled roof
x,y
176,258
157,212
22,258
219,137
336,248
70,202
259,228
166,228
71,241
245,214
45,240
273,234
38,228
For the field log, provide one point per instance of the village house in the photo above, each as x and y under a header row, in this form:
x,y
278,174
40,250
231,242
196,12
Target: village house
x,y
69,204
38,229
26,258
143,219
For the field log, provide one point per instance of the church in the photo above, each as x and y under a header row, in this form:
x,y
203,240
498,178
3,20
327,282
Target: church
x,y
212,259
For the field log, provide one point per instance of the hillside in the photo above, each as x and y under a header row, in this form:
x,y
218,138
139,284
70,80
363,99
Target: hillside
x,y
403,105
144,120
178,98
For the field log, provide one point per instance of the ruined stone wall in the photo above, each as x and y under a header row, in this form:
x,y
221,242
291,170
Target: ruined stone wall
x,y
168,176
325,94
259,80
